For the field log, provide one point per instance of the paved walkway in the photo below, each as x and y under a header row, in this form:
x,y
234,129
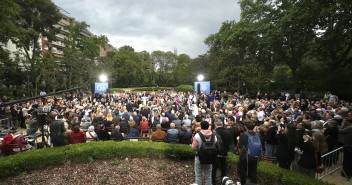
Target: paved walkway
x,y
337,179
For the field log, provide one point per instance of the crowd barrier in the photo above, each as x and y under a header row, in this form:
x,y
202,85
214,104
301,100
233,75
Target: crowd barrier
x,y
6,122
333,161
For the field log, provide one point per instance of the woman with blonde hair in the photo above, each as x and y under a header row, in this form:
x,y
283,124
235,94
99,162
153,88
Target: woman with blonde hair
x,y
109,117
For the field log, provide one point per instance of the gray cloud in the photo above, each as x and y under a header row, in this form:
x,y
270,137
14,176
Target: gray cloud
x,y
154,24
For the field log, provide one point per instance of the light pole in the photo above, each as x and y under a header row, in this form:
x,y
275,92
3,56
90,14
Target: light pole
x,y
200,78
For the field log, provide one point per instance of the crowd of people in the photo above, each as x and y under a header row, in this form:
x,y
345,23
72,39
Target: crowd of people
x,y
294,131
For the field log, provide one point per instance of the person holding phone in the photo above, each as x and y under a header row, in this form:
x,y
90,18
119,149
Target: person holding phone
x,y
307,161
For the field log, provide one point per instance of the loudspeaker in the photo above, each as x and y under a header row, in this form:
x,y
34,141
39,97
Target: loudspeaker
x,y
108,90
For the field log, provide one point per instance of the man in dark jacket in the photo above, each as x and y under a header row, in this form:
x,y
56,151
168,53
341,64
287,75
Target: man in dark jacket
x,y
225,138
247,163
103,134
346,136
57,129
270,140
116,134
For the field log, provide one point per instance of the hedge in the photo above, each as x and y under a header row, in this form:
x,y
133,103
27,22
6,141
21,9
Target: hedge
x,y
152,89
116,90
86,152
185,88
276,175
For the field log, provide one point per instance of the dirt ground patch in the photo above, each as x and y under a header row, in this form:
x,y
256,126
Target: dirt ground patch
x,y
116,171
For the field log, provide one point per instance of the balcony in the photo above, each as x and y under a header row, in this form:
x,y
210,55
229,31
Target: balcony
x,y
61,36
58,43
56,51
64,22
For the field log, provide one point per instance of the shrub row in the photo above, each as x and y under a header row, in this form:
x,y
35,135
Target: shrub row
x,y
185,88
152,89
116,90
86,152
276,175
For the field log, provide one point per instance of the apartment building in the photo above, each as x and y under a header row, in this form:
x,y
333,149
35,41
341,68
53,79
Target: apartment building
x,y
55,48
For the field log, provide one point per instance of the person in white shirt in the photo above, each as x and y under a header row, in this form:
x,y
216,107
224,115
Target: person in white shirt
x,y
260,114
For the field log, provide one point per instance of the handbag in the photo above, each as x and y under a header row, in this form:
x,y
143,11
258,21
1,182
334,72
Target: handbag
x,y
319,168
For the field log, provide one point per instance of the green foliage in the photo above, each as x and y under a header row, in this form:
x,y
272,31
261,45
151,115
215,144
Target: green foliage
x,y
126,168
85,152
161,166
104,180
276,175
152,89
147,163
116,90
185,88
298,44
116,162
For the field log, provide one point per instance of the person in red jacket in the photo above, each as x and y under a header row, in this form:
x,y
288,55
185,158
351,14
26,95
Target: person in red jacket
x,y
8,139
18,139
78,135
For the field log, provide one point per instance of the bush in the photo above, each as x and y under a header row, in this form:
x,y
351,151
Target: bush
x,y
86,152
116,90
185,88
276,175
152,89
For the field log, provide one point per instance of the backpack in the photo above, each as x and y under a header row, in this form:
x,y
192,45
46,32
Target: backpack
x,y
208,150
254,145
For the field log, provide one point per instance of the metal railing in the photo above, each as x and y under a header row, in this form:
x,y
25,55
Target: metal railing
x,y
6,122
332,161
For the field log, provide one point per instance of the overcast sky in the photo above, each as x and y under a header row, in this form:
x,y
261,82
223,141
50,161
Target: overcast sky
x,y
154,24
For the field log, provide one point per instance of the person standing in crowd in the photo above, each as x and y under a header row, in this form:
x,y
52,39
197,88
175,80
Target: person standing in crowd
x,y
346,136
287,141
196,145
225,138
57,129
233,133
68,134
248,163
320,146
307,162
270,140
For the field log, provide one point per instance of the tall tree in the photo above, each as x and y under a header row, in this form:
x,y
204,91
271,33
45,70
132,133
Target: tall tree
x,y
81,54
334,38
36,18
